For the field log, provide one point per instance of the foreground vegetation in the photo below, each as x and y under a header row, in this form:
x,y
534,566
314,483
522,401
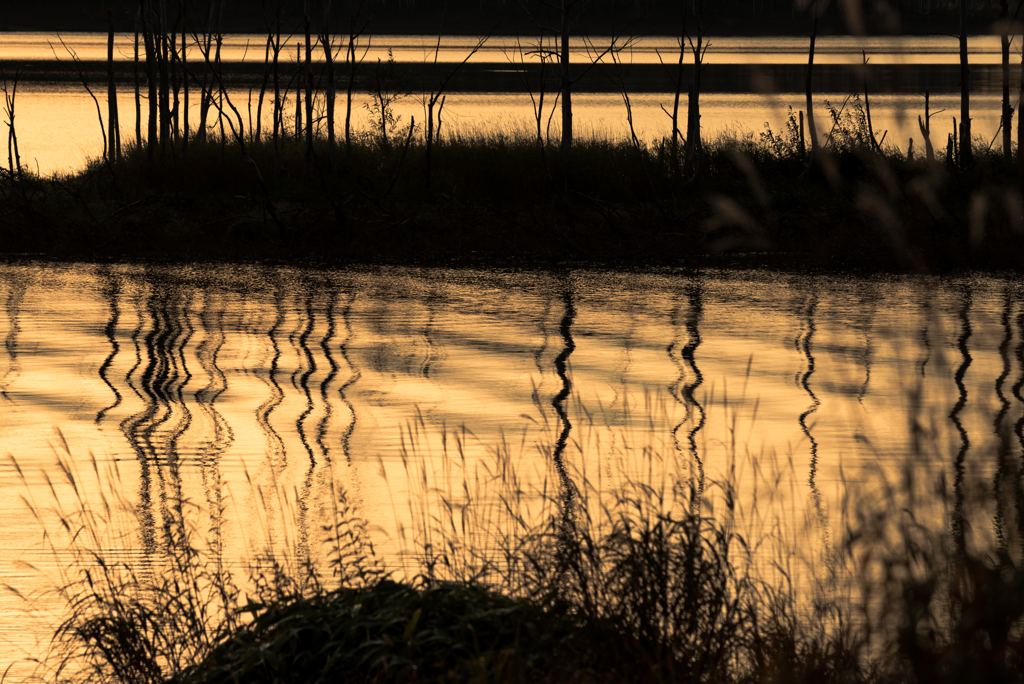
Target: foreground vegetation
x,y
645,579
505,195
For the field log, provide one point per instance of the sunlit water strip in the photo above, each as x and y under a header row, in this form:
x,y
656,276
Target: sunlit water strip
x,y
58,127
924,50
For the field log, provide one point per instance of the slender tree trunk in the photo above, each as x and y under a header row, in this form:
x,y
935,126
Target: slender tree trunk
x,y
676,133
151,59
258,131
184,76
308,157
350,57
138,97
693,142
113,125
205,94
218,37
1020,118
966,153
165,90
1004,41
10,102
812,130
298,96
566,80
430,139
278,107
175,82
332,152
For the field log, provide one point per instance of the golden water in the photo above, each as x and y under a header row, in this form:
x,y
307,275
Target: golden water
x,y
212,381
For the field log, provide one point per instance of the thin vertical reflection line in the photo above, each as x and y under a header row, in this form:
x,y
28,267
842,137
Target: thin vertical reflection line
x,y
111,294
428,334
1003,467
867,355
558,402
354,375
131,426
179,380
694,314
15,298
1018,386
542,327
954,417
208,354
675,387
300,381
926,314
303,375
1018,427
332,373
274,442
804,344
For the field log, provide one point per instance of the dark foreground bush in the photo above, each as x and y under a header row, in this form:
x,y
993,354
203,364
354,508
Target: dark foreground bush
x,y
397,633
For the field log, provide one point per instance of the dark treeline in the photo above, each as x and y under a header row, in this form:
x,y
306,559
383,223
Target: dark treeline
x,y
647,17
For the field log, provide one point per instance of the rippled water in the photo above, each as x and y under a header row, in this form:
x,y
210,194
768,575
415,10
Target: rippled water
x,y
213,381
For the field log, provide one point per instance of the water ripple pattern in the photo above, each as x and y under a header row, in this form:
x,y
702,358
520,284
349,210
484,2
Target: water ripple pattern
x,y
258,393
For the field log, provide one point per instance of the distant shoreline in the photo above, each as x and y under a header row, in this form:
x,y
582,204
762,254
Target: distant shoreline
x,y
471,20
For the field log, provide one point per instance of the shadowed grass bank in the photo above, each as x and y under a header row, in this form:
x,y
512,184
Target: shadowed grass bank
x,y
501,196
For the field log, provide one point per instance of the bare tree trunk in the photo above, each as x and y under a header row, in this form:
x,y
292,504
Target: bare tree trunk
x,y
175,81
812,130
1004,41
205,91
151,59
307,165
184,76
162,49
278,107
298,96
1020,119
113,126
13,155
676,133
566,80
691,164
218,37
966,153
258,131
350,57
332,152
926,129
138,97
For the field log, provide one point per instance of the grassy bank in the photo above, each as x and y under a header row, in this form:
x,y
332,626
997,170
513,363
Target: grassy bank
x,y
501,195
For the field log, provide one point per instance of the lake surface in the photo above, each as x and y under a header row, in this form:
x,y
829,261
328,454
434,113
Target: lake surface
x,y
747,83
219,382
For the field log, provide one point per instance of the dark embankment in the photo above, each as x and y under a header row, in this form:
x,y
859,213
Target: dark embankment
x,y
655,17
503,197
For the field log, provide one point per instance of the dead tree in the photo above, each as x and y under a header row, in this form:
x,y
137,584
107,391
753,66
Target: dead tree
x,y
113,124
966,154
